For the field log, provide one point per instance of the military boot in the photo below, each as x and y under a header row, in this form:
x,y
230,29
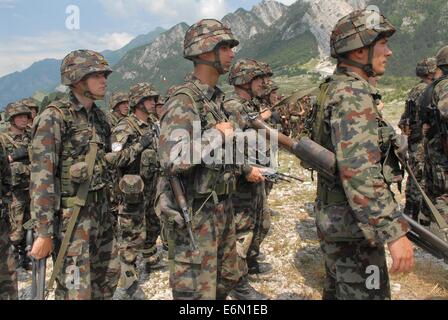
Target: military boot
x,y
244,291
255,267
134,292
154,263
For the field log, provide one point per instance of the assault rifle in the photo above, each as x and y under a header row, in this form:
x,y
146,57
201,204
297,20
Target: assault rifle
x,y
275,176
324,162
178,192
38,266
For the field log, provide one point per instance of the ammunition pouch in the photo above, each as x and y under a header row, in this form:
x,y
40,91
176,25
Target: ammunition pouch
x,y
79,172
20,175
208,178
148,163
131,187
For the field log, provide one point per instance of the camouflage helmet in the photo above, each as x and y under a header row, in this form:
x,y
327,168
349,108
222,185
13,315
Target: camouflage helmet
x,y
16,108
425,67
244,71
141,91
266,68
358,30
80,63
205,35
270,87
117,98
30,103
442,57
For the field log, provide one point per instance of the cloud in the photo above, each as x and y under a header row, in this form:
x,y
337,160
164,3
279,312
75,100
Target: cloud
x,y
21,52
172,11
8,4
287,2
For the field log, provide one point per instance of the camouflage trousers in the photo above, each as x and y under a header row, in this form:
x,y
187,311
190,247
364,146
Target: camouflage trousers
x,y
131,237
413,196
355,271
248,203
19,214
211,271
8,276
91,267
153,228
262,219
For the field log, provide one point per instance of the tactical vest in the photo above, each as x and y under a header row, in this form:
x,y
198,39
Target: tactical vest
x,y
20,170
76,136
206,179
319,130
429,113
147,164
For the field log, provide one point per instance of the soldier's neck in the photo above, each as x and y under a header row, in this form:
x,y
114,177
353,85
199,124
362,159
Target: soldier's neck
x,y
206,74
86,102
142,116
242,93
354,69
15,130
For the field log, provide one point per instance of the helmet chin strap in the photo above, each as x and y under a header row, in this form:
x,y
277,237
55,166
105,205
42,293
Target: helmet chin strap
x,y
215,64
88,94
367,68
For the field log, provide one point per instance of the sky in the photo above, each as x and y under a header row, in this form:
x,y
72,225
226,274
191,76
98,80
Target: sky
x,y
32,30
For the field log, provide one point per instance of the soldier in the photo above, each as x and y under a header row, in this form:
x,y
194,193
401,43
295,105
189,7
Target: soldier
x,y
411,125
209,271
134,155
69,180
435,117
16,140
34,108
357,214
8,276
119,108
247,77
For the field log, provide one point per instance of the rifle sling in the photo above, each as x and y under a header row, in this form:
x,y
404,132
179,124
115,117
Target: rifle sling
x,y
81,197
435,213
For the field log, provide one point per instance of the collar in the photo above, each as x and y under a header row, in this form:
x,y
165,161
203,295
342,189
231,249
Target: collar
x,y
140,123
342,71
211,93
79,106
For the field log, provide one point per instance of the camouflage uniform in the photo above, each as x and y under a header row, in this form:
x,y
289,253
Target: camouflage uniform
x,y
356,214
252,218
8,276
62,134
211,271
134,155
410,120
16,145
436,151
114,116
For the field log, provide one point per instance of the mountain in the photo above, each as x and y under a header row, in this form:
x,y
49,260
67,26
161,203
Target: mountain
x,y
44,75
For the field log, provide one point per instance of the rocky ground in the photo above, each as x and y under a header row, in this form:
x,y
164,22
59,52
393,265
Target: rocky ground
x,y
293,250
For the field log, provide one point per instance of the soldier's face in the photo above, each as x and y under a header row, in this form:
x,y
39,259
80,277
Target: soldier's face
x,y
381,53
438,74
159,110
150,104
20,121
123,108
257,86
226,55
33,113
97,84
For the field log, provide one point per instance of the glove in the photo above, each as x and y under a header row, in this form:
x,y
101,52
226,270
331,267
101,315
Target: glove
x,y
19,154
146,140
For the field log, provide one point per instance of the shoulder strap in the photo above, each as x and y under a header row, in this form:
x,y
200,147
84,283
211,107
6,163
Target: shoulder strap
x,y
134,125
6,136
80,201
